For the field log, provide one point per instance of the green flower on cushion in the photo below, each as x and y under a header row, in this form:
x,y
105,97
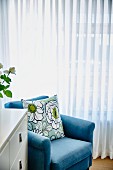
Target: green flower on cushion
x,y
52,113
35,110
32,108
55,113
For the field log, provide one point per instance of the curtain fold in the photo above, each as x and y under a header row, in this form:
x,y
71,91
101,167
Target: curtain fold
x,y
4,38
4,41
64,47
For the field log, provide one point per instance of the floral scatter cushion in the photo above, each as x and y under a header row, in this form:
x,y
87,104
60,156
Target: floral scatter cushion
x,y
53,118
44,117
36,114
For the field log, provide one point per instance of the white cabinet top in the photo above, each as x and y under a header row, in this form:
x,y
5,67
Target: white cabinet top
x,y
9,120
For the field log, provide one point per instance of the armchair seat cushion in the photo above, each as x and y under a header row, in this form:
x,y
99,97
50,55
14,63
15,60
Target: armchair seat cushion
x,y
67,152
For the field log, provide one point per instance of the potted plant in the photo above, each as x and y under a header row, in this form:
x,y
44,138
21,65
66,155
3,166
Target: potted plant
x,y
5,81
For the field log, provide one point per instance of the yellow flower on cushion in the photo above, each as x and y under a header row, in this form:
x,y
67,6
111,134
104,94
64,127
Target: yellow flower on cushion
x,y
52,112
35,110
55,113
32,108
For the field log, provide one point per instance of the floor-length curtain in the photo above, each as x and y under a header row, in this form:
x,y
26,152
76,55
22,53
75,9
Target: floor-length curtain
x,y
85,72
32,46
66,47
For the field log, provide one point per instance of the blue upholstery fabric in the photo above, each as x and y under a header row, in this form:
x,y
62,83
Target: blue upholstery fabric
x,y
39,152
77,128
19,105
81,165
67,152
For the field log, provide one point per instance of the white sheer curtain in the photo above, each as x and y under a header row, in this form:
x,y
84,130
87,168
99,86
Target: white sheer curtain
x,y
4,39
66,47
4,48
32,47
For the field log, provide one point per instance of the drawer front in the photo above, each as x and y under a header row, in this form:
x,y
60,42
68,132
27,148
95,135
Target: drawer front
x,y
17,140
21,159
26,166
4,158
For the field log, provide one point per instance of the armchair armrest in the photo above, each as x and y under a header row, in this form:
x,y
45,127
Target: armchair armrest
x,y
38,152
78,128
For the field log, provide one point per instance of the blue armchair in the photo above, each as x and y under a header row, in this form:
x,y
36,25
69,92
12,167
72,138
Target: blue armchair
x,y
73,152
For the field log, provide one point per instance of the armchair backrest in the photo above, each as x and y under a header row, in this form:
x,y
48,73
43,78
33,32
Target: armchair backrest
x,y
18,104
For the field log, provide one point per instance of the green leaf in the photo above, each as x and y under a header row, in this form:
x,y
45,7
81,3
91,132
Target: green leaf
x,y
2,87
6,78
8,93
1,96
6,87
3,76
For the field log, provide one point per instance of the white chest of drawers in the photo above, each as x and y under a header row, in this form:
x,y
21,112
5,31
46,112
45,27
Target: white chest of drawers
x,y
13,139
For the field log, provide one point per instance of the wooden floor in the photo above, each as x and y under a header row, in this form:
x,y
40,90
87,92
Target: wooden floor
x,y
102,164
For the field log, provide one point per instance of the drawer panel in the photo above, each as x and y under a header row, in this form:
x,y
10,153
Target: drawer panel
x,y
26,166
4,158
21,160
17,140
